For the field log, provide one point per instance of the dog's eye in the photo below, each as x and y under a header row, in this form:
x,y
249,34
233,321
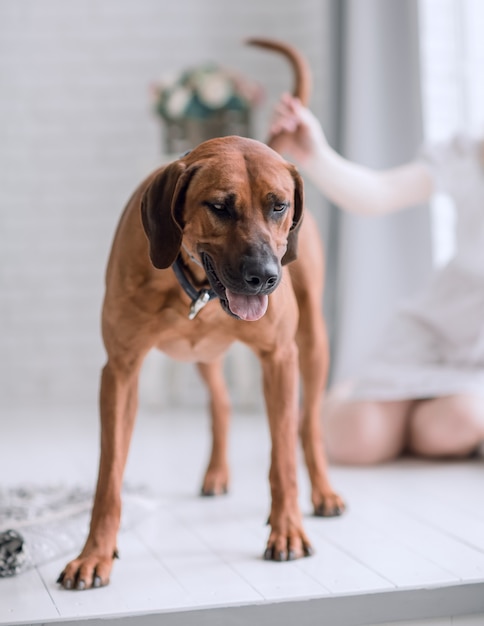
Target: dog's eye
x,y
280,207
216,207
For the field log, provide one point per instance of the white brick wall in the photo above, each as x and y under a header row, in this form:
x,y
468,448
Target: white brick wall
x,y
76,136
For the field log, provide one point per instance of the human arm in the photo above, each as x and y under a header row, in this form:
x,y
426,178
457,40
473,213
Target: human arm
x,y
351,186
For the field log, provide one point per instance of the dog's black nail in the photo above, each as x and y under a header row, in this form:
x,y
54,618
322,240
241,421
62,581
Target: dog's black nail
x,y
268,554
308,551
322,511
280,556
336,512
96,581
116,554
291,555
208,492
68,583
61,577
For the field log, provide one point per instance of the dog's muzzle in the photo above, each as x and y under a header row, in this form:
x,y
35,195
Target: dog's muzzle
x,y
248,299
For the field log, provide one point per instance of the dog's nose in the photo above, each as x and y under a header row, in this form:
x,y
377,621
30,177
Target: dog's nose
x,y
260,275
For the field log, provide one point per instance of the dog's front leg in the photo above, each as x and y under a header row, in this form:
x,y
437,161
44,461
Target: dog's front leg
x,y
118,403
287,538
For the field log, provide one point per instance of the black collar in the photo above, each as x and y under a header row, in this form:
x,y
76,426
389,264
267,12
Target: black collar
x,y
200,297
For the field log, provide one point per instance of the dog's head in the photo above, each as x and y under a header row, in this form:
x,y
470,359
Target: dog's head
x,y
236,205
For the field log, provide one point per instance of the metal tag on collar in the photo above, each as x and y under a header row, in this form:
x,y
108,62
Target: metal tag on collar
x,y
199,303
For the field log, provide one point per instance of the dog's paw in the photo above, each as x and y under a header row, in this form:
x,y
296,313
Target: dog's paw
x,y
87,572
329,505
216,482
280,547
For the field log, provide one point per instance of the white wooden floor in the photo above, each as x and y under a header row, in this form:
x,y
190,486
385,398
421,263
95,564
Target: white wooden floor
x,y
410,547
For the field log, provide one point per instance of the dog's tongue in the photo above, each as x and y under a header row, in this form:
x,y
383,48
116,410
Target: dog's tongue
x,y
248,308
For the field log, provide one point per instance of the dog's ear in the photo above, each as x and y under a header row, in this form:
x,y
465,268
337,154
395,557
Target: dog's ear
x,y
161,212
291,252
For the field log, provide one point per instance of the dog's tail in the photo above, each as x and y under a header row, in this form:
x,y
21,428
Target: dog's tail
x,y
302,72
300,66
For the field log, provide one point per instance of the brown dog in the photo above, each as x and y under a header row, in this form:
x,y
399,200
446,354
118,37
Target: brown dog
x,y
199,261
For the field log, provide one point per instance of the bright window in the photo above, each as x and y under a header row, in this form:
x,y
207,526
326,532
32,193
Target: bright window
x,y
452,53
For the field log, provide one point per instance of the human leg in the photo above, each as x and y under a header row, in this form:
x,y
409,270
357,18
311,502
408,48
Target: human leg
x,y
449,426
364,432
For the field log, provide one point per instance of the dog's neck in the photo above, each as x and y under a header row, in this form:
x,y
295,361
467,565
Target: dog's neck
x,y
188,275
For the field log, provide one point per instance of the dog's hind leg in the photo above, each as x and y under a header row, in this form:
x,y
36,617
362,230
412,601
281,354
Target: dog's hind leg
x,y
216,478
307,274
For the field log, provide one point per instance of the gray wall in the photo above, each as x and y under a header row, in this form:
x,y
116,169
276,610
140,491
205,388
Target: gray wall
x,y
76,136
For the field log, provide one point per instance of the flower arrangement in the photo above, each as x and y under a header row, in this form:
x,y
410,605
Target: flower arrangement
x,y
204,102
201,92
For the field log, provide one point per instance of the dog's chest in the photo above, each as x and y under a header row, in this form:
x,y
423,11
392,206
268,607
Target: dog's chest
x,y
192,340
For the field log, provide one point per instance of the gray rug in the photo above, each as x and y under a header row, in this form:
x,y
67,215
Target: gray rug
x,y
40,524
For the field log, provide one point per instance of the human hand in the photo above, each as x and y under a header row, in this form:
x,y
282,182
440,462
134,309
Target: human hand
x,y
296,131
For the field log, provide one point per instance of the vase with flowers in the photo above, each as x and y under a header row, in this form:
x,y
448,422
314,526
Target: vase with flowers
x,y
204,102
